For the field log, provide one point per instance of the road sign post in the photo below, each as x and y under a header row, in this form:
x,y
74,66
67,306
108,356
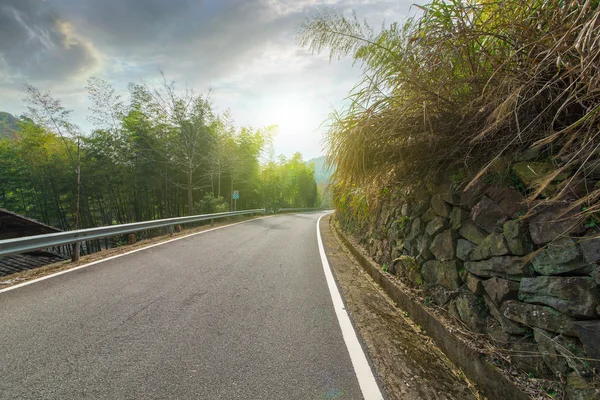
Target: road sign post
x,y
235,196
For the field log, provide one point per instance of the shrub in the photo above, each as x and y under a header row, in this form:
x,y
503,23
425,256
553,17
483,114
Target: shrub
x,y
210,204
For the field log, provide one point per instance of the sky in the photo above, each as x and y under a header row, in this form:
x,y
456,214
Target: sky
x,y
244,51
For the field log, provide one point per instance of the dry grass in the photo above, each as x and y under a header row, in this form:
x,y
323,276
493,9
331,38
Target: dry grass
x,y
459,86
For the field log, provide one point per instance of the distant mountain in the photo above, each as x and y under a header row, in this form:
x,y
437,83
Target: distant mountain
x,y
322,174
8,125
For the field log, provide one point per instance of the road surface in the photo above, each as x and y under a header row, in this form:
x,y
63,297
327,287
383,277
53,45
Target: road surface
x,y
242,312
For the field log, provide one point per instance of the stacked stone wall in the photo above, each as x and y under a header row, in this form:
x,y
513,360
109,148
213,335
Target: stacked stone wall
x,y
525,276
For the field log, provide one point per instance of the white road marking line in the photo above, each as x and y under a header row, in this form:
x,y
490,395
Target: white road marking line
x,y
362,369
124,254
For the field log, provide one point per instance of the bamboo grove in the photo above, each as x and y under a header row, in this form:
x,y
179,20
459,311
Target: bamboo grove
x,y
160,153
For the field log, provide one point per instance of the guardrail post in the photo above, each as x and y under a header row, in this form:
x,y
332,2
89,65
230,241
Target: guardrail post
x,y
170,230
75,253
212,222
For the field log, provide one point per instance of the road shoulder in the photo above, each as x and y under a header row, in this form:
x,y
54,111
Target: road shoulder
x,y
405,360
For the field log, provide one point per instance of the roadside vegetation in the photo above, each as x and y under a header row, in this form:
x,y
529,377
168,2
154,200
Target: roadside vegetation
x,y
158,153
457,90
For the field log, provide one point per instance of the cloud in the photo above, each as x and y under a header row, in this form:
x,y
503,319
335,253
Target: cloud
x,y
244,49
35,42
201,38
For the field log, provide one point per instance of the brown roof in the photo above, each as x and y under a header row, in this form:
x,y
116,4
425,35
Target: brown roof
x,y
14,225
21,262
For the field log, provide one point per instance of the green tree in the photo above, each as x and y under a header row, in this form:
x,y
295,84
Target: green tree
x,y
184,121
50,113
289,183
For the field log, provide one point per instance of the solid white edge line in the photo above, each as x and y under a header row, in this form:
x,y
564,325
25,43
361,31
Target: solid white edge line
x,y
362,369
124,254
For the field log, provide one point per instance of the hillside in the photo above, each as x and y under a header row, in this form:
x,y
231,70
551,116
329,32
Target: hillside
x,y
322,177
322,174
8,124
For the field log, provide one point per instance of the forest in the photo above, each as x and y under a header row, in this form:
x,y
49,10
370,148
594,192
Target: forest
x,y
156,153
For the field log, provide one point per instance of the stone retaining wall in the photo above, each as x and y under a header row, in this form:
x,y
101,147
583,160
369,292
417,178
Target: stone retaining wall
x,y
532,285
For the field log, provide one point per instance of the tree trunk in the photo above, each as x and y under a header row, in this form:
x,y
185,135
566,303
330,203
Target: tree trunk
x,y
231,194
190,204
75,255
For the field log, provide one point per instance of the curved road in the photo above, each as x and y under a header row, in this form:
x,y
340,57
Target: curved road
x,y
241,312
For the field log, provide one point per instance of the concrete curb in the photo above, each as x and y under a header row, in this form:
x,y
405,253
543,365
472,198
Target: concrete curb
x,y
489,380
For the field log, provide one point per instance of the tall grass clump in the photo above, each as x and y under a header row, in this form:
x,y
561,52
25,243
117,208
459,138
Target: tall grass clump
x,y
460,85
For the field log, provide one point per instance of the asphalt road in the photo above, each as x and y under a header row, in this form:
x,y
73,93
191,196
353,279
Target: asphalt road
x,y
241,312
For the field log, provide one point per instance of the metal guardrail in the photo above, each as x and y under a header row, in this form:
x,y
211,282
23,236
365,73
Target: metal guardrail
x,y
29,243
